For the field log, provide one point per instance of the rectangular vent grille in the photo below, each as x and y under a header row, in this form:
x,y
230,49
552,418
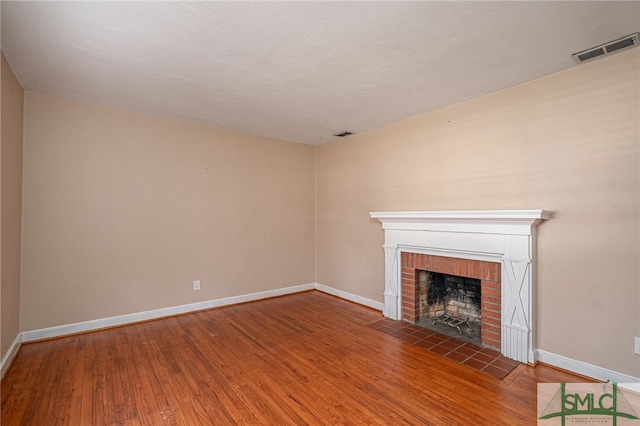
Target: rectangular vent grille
x,y
607,48
343,134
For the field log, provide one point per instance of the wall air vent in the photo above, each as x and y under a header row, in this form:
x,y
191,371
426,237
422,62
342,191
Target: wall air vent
x,y
343,134
607,48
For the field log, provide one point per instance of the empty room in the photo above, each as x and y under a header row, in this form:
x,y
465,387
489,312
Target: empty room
x,y
381,213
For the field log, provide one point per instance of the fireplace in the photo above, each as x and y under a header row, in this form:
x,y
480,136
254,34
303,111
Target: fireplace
x,y
466,291
448,296
450,305
497,244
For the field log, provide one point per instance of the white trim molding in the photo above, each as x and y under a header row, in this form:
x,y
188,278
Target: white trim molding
x,y
503,236
584,368
27,336
9,356
80,327
350,297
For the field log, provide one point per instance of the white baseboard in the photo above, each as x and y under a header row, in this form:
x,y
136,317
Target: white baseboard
x,y
7,359
584,368
350,296
559,361
79,327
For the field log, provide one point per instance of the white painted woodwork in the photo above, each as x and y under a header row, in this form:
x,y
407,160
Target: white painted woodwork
x,y
81,327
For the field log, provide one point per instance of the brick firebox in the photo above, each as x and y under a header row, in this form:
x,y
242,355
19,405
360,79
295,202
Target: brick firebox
x,y
488,272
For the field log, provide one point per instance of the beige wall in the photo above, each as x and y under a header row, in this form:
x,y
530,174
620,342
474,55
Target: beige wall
x,y
11,205
122,211
567,143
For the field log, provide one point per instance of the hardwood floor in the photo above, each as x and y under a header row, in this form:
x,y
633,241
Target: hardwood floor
x,y
307,358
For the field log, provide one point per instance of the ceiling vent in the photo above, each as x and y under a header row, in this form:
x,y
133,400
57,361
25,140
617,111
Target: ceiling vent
x,y
343,134
607,48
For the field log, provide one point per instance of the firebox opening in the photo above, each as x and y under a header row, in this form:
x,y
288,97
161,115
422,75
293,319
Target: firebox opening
x,y
450,305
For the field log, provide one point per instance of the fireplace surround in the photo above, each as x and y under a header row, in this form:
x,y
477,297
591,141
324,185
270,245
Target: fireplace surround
x,y
507,237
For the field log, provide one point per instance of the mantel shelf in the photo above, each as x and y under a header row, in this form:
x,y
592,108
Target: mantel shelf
x,y
463,215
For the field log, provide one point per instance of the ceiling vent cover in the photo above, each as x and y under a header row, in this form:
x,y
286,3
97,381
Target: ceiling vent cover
x,y
607,48
343,134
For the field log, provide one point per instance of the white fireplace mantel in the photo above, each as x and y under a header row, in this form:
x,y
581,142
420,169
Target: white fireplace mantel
x,y
504,236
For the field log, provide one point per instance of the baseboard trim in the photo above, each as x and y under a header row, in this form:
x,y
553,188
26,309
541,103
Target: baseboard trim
x,y
350,296
579,367
85,326
8,357
584,368
81,327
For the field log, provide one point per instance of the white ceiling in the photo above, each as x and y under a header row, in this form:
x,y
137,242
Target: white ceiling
x,y
298,71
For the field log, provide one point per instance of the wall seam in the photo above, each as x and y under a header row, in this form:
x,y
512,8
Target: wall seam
x,y
315,215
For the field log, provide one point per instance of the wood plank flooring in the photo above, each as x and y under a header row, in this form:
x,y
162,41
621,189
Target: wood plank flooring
x,y
307,358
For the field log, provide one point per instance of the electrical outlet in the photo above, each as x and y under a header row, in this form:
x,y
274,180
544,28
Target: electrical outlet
x,y
196,285
637,349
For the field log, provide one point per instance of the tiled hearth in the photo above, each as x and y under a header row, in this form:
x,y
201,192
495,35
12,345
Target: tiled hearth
x,y
483,359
